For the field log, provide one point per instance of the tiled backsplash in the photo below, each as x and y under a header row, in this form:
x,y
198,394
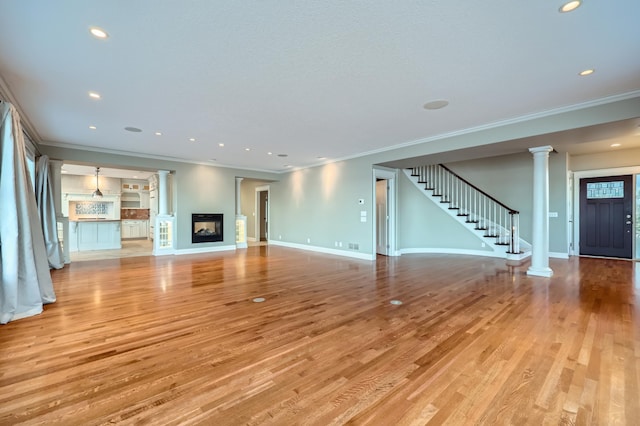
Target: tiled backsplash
x,y
139,214
91,208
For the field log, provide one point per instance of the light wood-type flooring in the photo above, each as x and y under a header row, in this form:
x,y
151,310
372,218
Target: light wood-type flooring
x,y
178,340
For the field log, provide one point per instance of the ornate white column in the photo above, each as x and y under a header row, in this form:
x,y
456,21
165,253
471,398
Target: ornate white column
x,y
540,237
55,167
238,196
241,221
163,193
163,240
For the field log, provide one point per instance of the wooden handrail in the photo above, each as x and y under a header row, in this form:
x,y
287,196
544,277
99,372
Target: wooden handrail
x,y
511,211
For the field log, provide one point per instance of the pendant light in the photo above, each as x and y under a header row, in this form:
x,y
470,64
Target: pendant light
x,y
97,193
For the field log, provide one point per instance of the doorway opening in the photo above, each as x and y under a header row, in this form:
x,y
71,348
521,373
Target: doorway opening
x,y
262,213
384,233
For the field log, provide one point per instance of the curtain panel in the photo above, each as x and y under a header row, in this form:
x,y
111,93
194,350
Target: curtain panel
x,y
25,283
47,213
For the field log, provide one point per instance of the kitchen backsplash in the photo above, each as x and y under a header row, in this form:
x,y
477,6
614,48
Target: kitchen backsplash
x,y
140,214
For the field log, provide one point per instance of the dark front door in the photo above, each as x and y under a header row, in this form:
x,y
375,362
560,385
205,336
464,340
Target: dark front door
x,y
606,225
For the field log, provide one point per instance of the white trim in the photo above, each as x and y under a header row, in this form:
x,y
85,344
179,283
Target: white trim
x,y
204,250
616,171
252,239
391,175
488,126
435,250
362,256
256,210
558,255
155,157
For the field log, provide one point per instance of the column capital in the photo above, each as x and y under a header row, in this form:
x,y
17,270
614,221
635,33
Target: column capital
x,y
541,149
239,179
163,172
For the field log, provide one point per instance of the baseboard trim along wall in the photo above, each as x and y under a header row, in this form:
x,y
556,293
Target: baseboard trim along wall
x,y
204,250
559,255
362,256
434,250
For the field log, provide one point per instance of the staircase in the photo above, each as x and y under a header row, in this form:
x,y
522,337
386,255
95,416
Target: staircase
x,y
496,223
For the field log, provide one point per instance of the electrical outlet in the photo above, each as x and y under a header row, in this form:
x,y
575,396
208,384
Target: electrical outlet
x,y
308,240
340,243
336,244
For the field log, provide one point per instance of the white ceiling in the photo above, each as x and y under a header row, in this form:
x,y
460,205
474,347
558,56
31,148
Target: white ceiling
x,y
308,79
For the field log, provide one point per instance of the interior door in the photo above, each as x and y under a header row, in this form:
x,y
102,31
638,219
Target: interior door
x,y
606,221
264,220
382,217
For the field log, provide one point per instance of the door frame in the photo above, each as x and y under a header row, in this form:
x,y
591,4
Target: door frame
x,y
256,219
633,171
391,175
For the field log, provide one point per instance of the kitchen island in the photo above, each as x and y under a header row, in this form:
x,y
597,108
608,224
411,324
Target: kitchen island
x,y
94,234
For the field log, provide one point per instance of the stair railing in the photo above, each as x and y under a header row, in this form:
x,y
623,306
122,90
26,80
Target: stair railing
x,y
496,219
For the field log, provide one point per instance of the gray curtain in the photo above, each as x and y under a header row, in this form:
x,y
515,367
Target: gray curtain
x,y
47,212
25,278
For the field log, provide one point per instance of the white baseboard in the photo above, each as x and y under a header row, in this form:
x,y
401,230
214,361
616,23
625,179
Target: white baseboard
x,y
558,255
252,239
452,251
204,250
363,256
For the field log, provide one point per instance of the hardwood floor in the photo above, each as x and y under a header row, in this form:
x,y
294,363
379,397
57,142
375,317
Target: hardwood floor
x,y
178,340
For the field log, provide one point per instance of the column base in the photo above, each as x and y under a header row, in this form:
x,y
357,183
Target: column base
x,y
540,272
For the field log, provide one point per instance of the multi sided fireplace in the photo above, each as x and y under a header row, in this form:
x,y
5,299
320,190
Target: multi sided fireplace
x,y
206,227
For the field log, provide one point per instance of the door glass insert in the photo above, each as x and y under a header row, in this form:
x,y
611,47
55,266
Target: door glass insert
x,y
605,190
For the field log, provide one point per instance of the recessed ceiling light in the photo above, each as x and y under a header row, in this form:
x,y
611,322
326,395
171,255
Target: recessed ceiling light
x,y
247,149
98,33
93,127
94,95
192,139
322,158
135,177
569,6
133,129
221,145
158,133
587,72
269,153
615,145
440,103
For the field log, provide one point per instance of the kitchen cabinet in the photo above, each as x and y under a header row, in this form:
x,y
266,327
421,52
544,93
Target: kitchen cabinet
x,y
144,200
95,235
132,228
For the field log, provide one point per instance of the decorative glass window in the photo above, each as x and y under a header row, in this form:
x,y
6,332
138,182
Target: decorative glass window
x,y
165,237
605,190
90,207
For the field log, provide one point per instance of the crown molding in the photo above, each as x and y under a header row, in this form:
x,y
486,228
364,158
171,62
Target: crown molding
x,y
27,125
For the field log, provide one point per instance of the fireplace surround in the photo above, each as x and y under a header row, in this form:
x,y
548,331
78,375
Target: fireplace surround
x,y
206,227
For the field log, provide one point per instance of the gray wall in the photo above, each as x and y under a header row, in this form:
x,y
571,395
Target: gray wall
x,y
321,203
605,160
510,179
197,188
423,224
